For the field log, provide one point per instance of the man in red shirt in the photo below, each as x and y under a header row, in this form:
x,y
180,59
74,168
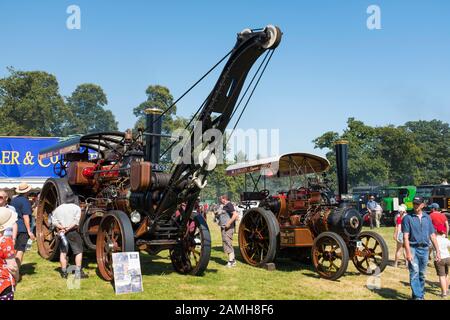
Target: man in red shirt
x,y
438,219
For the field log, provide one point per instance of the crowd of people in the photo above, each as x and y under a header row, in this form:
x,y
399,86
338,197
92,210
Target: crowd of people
x,y
419,235
17,233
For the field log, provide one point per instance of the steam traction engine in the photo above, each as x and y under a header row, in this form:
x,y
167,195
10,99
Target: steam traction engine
x,y
308,217
127,201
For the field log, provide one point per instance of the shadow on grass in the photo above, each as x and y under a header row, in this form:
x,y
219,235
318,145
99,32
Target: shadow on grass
x,y
431,287
388,293
150,264
28,268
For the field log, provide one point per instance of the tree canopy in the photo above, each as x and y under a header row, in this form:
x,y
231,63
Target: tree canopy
x,y
87,105
31,105
414,153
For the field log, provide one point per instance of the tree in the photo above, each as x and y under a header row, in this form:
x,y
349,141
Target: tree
x,y
87,105
399,149
365,163
31,105
160,97
414,154
433,140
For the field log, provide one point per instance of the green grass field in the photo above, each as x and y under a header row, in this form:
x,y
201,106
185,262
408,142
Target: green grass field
x,y
291,281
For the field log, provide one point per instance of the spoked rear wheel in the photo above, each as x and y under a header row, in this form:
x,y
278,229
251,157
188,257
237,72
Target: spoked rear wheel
x,y
192,255
373,255
330,255
259,234
115,235
54,193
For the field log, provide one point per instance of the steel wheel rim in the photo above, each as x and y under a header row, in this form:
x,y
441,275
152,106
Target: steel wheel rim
x,y
254,238
47,238
328,257
196,240
187,256
111,241
369,259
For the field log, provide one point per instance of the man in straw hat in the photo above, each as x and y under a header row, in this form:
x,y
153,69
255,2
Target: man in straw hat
x,y
9,271
23,208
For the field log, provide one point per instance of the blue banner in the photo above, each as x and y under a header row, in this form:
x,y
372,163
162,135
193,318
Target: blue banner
x,y
19,157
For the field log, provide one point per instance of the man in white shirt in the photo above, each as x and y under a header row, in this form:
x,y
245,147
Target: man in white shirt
x,y
66,218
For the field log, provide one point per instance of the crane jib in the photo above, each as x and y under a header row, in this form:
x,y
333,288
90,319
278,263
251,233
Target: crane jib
x,y
221,102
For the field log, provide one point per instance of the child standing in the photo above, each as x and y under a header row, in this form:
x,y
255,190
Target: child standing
x,y
443,265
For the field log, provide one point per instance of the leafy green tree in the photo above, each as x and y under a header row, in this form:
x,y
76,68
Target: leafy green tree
x,y
87,104
399,150
31,105
433,139
416,153
160,97
365,162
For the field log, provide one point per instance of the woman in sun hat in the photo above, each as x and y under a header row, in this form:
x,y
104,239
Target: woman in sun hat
x,y
398,235
9,271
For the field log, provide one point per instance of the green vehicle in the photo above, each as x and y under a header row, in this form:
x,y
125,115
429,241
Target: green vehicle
x,y
392,198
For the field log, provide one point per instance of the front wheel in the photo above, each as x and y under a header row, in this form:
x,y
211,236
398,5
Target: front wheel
x,y
259,237
115,235
372,254
330,255
191,255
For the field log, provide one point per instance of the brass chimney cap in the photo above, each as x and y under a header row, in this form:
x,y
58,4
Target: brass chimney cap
x,y
341,142
153,111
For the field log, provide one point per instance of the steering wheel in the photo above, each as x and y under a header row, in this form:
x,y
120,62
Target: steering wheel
x,y
60,168
265,193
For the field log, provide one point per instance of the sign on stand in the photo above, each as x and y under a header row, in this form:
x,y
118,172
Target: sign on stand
x,y
127,272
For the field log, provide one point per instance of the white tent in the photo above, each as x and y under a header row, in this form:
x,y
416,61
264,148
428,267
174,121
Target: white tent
x,y
12,183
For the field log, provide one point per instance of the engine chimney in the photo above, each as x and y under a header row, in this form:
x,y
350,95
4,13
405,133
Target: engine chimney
x,y
153,134
341,148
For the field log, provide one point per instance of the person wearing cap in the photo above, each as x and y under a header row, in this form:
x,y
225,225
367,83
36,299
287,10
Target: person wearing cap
x,y
23,208
444,263
9,270
418,230
438,218
398,234
372,207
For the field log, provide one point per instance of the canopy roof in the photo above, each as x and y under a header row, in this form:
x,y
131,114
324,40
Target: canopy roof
x,y
289,164
100,142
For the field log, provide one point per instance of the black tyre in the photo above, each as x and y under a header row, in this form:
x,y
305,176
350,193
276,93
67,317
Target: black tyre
x,y
259,237
115,234
54,193
373,256
192,255
330,255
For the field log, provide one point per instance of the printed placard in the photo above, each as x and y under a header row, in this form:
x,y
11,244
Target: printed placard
x,y
127,272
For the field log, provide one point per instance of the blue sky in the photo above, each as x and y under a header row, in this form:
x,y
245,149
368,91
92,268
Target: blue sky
x,y
328,67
